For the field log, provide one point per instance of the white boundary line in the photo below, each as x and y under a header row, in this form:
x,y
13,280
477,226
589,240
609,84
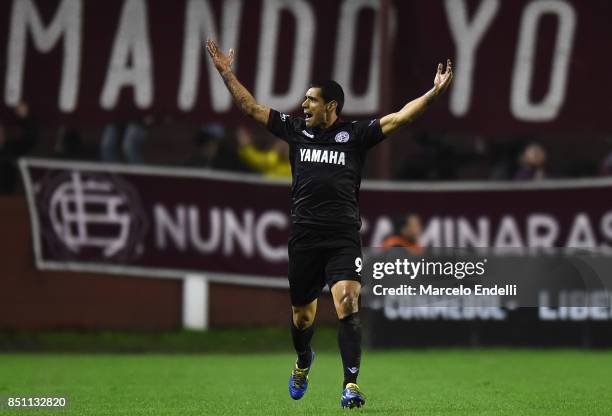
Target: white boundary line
x,y
491,186
371,185
154,171
179,274
27,182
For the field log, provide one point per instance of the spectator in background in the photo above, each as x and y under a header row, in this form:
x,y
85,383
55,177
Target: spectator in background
x,y
273,163
135,135
69,144
407,230
504,157
532,163
213,150
12,148
605,168
109,145
8,170
441,156
207,142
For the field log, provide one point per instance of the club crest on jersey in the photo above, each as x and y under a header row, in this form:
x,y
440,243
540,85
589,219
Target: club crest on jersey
x,y
342,137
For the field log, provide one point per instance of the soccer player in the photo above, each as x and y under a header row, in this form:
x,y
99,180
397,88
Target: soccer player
x,y
327,155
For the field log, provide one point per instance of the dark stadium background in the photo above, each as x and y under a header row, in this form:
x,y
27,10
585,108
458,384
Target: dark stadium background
x,y
530,74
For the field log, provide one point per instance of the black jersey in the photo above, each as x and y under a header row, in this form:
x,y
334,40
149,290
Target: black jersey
x,y
326,166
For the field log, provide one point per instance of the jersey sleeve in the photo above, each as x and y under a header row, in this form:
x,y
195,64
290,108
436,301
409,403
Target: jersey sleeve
x,y
369,132
282,125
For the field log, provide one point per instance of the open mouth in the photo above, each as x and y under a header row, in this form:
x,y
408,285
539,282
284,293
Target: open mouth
x,y
307,115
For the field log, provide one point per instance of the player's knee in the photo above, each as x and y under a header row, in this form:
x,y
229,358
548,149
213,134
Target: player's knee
x,y
349,303
303,320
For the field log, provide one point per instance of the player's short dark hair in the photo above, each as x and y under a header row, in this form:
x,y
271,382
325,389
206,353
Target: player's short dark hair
x,y
331,91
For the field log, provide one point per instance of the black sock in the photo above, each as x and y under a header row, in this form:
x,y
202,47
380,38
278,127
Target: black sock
x,y
349,340
301,343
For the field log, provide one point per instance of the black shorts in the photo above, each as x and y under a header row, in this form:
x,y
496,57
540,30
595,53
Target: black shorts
x,y
320,257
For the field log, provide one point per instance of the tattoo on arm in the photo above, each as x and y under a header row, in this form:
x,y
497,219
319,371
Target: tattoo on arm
x,y
243,98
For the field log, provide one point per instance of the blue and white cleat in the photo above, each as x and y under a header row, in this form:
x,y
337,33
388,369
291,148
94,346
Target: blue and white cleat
x,y
352,397
298,382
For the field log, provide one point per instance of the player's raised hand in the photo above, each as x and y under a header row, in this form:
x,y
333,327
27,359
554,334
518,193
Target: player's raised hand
x,y
443,79
222,62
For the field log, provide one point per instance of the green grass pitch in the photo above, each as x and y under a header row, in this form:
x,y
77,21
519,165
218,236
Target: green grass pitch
x,y
421,382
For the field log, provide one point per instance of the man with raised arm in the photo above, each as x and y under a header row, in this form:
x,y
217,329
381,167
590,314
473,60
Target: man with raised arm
x,y
327,156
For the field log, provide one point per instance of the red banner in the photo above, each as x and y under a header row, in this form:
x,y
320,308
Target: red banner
x,y
521,66
169,222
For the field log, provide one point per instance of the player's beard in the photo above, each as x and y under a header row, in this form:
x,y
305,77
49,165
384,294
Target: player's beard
x,y
320,121
316,121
